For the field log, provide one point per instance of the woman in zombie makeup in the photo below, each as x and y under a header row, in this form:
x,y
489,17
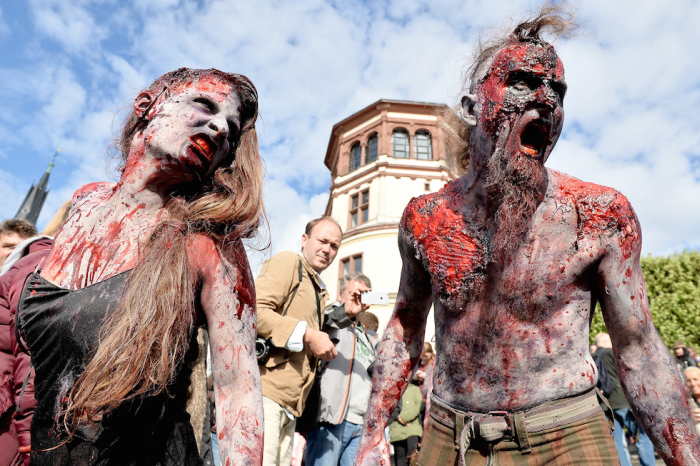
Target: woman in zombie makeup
x,y
140,264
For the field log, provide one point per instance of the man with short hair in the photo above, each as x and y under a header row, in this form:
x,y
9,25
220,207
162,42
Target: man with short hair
x,y
369,321
290,302
514,257
621,409
345,384
12,233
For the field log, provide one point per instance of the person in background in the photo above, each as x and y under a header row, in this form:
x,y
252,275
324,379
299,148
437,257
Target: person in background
x,y
692,353
426,360
17,400
692,385
683,358
290,300
406,430
621,410
369,321
12,233
345,383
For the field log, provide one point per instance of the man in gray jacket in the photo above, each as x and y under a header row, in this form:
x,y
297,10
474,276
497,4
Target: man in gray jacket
x,y
345,385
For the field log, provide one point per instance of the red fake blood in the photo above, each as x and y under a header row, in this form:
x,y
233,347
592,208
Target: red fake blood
x,y
677,436
455,256
602,210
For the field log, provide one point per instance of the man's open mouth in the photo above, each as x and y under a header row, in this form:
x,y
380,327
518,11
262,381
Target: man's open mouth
x,y
534,137
206,145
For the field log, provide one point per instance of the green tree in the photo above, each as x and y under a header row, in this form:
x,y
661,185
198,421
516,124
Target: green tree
x,y
673,287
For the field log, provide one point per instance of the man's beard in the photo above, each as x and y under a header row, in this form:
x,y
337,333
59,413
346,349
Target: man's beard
x,y
517,185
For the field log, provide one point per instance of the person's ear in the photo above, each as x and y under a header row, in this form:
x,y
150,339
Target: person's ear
x,y
304,238
467,113
142,104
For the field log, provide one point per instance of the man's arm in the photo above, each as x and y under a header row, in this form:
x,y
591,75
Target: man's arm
x,y
399,353
647,374
228,301
277,279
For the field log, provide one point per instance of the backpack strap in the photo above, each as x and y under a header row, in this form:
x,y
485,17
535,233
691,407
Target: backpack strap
x,y
294,291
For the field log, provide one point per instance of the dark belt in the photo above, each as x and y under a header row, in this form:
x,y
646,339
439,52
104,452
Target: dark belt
x,y
497,425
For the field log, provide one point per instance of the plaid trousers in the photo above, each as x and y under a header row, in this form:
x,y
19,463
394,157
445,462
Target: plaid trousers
x,y
586,441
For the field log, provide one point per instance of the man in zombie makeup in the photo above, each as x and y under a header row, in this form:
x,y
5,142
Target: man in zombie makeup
x,y
514,257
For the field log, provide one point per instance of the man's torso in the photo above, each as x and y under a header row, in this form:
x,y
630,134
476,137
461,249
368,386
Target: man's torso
x,y
514,334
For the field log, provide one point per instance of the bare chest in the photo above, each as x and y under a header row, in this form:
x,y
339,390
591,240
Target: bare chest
x,y
97,242
552,263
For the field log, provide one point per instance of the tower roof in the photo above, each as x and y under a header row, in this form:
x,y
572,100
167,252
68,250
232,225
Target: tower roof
x,y
34,201
357,118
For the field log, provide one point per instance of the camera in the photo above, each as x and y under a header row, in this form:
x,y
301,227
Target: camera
x,y
262,349
375,297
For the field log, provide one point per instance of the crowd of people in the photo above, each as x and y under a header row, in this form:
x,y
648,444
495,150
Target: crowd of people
x,y
134,333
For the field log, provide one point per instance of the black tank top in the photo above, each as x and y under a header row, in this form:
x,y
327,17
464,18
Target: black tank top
x,y
61,328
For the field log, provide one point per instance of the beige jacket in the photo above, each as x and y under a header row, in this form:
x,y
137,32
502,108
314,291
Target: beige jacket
x,y
287,377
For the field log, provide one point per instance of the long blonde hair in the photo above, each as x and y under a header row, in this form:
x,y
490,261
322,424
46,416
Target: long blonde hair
x,y
58,219
144,340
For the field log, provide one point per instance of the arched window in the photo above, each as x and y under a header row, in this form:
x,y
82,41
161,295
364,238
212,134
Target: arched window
x,y
355,156
424,146
399,144
372,145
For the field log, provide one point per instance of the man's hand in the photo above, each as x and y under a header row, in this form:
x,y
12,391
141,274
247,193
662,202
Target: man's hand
x,y
319,344
353,303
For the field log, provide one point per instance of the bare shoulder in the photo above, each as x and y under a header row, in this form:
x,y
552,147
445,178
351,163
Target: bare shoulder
x,y
602,211
92,191
223,264
208,254
421,210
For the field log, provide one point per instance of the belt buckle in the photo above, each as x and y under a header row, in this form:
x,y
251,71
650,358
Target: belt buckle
x,y
508,418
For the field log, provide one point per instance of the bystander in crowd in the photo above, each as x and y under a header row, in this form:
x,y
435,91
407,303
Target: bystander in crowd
x,y
692,385
345,383
17,400
624,420
290,300
13,232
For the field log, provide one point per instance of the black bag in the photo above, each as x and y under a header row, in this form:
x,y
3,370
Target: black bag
x,y
307,422
605,383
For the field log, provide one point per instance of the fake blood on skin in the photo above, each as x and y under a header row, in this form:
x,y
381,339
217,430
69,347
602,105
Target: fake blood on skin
x,y
542,61
102,237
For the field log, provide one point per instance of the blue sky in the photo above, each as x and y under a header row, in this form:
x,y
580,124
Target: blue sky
x,y
68,68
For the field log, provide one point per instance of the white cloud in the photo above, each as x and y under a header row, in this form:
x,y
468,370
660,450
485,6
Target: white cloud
x,y
68,23
631,109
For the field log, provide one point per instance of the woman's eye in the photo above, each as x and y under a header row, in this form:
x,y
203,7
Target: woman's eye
x,y
206,103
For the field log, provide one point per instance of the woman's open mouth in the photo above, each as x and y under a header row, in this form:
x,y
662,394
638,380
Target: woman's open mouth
x,y
534,137
205,144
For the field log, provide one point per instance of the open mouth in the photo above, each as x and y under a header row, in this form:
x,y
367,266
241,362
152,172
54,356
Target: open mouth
x,y
534,137
206,145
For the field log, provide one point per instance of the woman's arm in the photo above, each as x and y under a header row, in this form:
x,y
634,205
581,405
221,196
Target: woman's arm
x,y
228,300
